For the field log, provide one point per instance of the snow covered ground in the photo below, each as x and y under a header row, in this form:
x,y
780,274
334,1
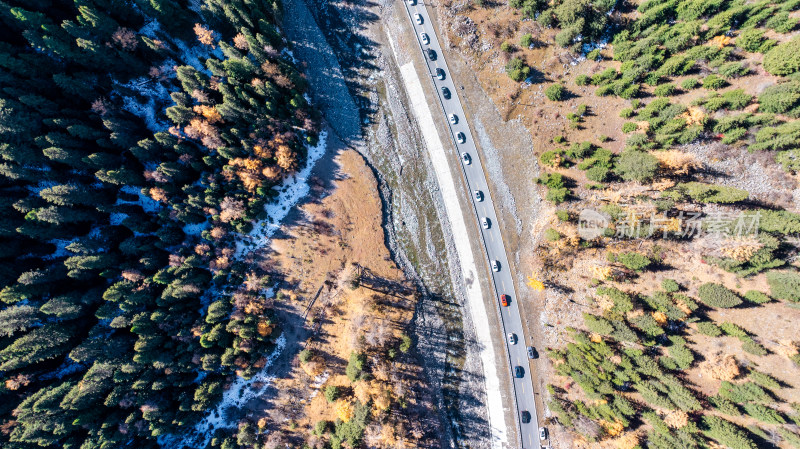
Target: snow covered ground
x,y
293,189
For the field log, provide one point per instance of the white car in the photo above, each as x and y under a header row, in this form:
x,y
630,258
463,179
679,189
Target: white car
x,y
461,138
424,38
478,196
453,119
418,19
542,433
495,266
412,2
486,223
466,158
512,339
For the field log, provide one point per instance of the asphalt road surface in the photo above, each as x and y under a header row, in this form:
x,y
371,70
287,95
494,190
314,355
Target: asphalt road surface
x,y
485,214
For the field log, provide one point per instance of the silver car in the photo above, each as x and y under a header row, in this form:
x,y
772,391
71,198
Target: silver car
x,y
418,19
486,223
453,119
424,38
478,196
412,2
495,266
461,138
466,158
542,433
512,339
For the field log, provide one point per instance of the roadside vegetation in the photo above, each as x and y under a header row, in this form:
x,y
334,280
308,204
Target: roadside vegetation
x,y
662,340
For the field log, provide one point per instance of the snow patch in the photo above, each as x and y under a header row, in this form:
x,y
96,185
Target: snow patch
x,y
240,392
292,190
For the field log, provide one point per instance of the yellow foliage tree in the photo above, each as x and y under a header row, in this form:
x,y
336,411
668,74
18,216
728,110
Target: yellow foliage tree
x,y
535,284
344,410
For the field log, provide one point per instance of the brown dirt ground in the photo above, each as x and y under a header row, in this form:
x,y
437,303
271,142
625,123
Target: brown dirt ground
x,y
341,235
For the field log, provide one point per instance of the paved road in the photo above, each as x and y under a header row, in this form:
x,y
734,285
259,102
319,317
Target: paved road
x,y
484,210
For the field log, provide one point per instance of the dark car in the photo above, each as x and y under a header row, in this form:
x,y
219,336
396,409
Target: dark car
x,y
519,372
532,353
446,93
439,72
431,55
526,416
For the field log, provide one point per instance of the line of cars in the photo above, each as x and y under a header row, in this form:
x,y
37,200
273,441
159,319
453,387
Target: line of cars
x,y
466,159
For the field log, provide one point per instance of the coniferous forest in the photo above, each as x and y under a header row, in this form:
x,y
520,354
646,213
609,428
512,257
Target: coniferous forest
x,y
137,138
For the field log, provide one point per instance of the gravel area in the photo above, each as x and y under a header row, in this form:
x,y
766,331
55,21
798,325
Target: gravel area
x,y
755,172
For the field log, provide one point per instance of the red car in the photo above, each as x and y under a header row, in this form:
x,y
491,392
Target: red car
x,y
504,300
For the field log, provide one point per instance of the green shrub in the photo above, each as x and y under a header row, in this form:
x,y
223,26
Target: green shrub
x,y
709,193
753,40
764,380
732,330
305,355
355,366
734,69
717,295
557,195
784,285
634,261
580,150
665,90
506,47
332,393
582,80
632,165
750,346
690,83
562,215
549,158
597,174
783,59
724,405
670,285
629,127
714,82
552,235
726,433
555,92
526,40
756,297
763,413
598,324
626,113
782,98
582,109
405,344
559,139
781,22
321,426
603,138
552,180
709,328
517,70
622,301
593,55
